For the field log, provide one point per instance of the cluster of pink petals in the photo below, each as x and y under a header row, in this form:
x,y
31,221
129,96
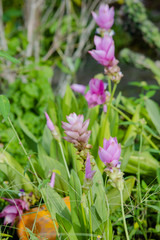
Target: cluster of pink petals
x,y
76,130
105,49
96,95
15,209
88,173
110,153
105,19
78,88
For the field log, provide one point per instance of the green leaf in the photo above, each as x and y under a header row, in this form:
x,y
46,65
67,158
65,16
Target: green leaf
x,y
69,104
32,235
4,106
14,172
47,139
148,164
114,195
132,130
154,113
29,137
126,152
92,115
66,228
55,203
8,57
158,175
75,193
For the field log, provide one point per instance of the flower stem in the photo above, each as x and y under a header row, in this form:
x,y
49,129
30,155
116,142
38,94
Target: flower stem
x,y
111,98
23,148
130,120
124,219
90,215
108,214
64,159
25,152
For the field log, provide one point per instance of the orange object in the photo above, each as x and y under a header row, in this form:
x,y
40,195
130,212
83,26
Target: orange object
x,y
39,221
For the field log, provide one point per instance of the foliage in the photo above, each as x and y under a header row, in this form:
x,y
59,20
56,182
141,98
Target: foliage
x,y
136,13
30,153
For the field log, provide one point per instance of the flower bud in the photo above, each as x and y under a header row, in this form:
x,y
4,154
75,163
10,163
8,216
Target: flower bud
x,y
76,130
105,19
88,173
78,88
52,182
49,123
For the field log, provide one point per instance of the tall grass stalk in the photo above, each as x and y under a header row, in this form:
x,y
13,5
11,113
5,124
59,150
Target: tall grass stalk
x,y
123,215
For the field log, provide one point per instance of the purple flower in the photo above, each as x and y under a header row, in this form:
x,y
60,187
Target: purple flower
x,y
110,153
78,88
15,209
104,52
96,95
105,19
89,173
49,123
76,130
52,182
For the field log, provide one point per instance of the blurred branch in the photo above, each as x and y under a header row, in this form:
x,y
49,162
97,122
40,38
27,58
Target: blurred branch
x,y
2,33
142,62
58,38
33,15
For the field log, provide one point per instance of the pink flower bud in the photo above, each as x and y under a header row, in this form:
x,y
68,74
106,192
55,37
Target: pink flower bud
x,y
78,88
110,153
49,123
96,95
52,182
104,52
89,173
76,130
105,19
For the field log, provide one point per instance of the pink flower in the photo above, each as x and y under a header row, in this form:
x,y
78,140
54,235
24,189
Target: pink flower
x,y
104,52
89,173
110,153
78,88
14,210
49,123
105,19
96,95
76,130
52,182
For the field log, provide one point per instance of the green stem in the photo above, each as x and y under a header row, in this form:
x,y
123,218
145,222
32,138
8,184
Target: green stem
x,y
23,148
124,219
109,85
83,215
150,141
25,152
111,98
138,175
108,213
128,119
90,215
64,159
121,113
